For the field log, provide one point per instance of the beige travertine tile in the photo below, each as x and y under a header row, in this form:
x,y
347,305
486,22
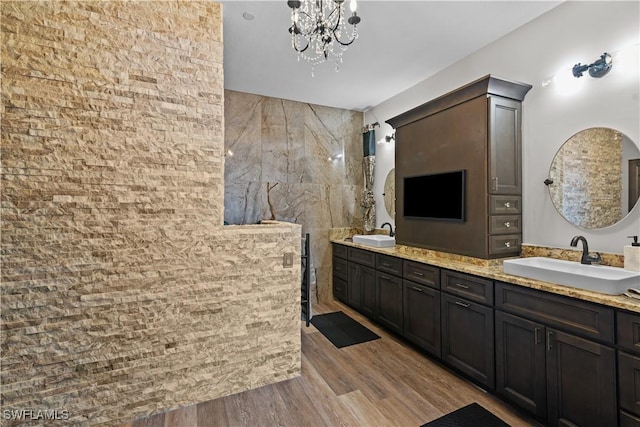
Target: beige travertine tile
x,y
122,292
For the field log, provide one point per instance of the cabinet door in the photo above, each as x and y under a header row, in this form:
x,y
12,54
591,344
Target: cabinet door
x,y
581,385
354,288
421,309
389,296
340,289
467,338
520,363
368,292
505,159
629,382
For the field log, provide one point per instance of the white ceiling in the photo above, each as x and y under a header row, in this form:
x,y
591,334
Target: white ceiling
x,y
400,43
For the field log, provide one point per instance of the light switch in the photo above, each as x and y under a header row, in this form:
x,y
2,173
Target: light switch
x,y
287,260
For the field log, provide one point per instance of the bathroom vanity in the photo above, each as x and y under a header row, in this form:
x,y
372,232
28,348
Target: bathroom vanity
x,y
564,355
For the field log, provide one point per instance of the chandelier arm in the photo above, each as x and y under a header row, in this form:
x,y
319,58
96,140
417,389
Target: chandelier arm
x,y
304,13
300,50
335,27
340,42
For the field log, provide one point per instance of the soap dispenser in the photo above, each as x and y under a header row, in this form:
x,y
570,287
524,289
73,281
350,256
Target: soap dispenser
x,y
632,255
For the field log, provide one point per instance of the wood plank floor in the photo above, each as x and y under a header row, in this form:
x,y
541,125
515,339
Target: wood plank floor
x,y
379,383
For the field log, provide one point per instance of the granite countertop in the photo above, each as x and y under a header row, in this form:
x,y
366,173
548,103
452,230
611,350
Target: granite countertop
x,y
492,269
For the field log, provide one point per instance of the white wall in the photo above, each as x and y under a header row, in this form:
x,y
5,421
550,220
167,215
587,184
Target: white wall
x,y
570,33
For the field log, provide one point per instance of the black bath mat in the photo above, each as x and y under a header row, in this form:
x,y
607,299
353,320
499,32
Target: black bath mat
x,y
472,415
341,329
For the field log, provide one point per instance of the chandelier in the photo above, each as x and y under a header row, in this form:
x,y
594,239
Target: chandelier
x,y
319,29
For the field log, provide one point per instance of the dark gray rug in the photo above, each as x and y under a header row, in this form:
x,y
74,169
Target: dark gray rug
x,y
341,329
472,415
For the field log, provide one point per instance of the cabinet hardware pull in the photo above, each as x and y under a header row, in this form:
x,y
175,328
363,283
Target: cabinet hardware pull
x,y
460,285
507,224
537,335
417,273
549,338
507,244
461,304
494,183
507,204
382,276
386,265
415,288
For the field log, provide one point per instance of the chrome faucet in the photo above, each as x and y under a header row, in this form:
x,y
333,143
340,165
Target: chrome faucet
x,y
586,258
391,233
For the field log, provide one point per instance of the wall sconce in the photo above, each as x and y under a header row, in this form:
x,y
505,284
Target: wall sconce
x,y
599,68
389,138
334,157
367,128
228,153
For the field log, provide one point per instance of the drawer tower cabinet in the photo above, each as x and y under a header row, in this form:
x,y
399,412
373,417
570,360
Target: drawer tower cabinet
x,y
475,128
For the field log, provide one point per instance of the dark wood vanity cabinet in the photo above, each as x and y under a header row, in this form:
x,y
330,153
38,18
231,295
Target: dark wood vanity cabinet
x,y
581,381
421,306
521,363
388,290
553,346
629,368
566,361
467,338
361,281
389,295
340,273
362,288
354,278
370,283
467,325
504,142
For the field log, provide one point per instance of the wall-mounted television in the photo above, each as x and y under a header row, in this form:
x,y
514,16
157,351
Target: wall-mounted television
x,y
438,196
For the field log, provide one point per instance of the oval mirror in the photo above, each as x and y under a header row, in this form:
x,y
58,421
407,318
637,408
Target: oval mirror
x,y
593,179
390,193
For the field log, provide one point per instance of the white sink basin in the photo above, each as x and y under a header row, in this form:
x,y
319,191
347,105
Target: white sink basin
x,y
375,240
598,278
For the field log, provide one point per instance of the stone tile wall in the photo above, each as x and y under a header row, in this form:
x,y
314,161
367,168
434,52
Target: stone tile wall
x,y
585,194
122,293
280,169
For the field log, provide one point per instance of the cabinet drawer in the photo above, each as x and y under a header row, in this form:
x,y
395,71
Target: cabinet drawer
x,y
505,205
340,268
467,286
389,264
505,224
422,273
628,420
362,257
629,382
340,250
340,289
504,244
578,317
629,331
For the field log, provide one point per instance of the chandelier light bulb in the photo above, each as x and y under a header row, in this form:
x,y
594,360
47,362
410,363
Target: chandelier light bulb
x,y
353,5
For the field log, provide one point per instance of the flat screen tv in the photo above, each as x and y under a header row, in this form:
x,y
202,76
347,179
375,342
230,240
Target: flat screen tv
x,y
438,196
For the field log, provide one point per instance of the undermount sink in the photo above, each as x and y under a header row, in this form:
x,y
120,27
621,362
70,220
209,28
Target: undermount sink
x,y
598,278
375,240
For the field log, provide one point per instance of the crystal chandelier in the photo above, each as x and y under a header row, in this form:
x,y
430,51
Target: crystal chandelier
x,y
319,29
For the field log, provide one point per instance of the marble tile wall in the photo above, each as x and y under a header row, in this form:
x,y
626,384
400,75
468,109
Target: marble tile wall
x,y
122,292
280,169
